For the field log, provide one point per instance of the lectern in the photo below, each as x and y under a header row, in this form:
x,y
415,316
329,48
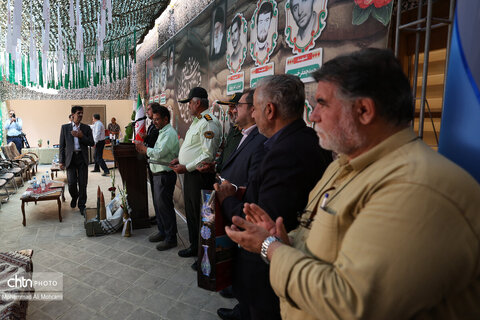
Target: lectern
x,y
133,169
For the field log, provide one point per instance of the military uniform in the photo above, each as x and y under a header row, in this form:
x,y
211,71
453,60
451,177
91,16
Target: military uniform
x,y
232,141
201,144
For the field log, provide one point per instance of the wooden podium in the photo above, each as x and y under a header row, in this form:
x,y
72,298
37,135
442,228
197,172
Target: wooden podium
x,y
133,169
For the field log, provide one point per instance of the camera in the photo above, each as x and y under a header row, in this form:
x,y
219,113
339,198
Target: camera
x,y
13,115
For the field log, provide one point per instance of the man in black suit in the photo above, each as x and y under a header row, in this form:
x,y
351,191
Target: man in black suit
x,y
242,163
75,137
292,164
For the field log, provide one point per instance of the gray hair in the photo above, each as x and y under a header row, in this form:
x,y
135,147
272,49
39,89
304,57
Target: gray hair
x,y
203,102
286,92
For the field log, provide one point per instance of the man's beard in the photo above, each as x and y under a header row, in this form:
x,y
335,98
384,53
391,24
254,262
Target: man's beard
x,y
344,138
262,37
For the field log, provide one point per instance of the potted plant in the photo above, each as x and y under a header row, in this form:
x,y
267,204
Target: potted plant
x,y
40,143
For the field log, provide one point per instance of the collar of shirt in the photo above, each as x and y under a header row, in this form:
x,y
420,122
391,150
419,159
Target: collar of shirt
x,y
165,128
246,132
380,150
271,141
75,127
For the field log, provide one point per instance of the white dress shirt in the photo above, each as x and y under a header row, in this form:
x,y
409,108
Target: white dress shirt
x,y
98,131
76,143
245,133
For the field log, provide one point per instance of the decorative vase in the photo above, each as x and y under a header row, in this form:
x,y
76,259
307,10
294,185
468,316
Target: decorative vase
x,y
128,226
206,267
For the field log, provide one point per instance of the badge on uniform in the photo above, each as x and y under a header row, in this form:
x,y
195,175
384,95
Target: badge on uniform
x,y
208,117
209,134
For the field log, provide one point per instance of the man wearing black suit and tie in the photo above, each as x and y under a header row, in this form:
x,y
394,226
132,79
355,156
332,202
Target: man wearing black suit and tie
x,y
293,160
75,138
243,162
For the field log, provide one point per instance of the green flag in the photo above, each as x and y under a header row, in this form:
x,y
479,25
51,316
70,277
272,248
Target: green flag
x,y
40,69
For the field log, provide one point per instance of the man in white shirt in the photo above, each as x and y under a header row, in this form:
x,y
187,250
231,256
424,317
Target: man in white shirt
x,y
13,125
98,131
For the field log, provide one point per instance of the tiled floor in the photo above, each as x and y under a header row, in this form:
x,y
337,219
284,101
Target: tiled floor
x,y
109,277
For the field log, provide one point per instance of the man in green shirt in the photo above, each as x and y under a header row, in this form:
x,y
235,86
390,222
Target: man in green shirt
x,y
164,151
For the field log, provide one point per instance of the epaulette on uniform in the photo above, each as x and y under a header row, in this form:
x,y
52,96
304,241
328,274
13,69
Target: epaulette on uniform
x,y
208,117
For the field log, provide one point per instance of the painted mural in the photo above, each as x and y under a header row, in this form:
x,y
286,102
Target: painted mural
x,y
232,44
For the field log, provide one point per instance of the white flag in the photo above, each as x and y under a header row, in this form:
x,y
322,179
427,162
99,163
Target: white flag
x,y
59,46
103,21
72,15
17,20
8,37
33,50
18,61
109,8
79,40
46,18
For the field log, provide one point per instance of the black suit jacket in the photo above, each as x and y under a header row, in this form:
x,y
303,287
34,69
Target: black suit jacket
x,y
67,143
242,164
152,135
286,175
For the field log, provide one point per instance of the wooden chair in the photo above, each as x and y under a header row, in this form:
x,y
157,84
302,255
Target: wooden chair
x,y
3,184
14,168
11,154
10,178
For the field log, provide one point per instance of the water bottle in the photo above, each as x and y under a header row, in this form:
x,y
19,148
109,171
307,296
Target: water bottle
x,y
34,183
47,177
42,183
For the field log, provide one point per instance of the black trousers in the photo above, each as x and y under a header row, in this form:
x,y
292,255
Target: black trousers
x,y
164,186
18,141
77,176
98,156
193,183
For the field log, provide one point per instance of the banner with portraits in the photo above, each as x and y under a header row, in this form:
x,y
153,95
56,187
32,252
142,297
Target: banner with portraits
x,y
234,43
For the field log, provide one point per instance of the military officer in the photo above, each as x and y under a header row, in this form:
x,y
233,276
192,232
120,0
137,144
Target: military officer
x,y
201,144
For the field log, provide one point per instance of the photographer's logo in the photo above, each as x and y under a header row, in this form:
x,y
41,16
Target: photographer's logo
x,y
32,286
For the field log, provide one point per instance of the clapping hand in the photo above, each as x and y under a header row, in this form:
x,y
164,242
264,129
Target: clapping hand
x,y
258,216
257,227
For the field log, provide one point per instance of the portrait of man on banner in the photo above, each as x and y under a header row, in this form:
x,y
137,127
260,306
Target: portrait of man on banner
x,y
156,75
150,80
171,60
163,76
263,31
237,43
305,21
218,38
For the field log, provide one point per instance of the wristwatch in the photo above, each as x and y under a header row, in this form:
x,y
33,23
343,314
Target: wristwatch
x,y
266,243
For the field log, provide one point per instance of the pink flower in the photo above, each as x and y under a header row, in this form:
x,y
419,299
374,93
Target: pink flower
x,y
364,3
377,3
381,3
